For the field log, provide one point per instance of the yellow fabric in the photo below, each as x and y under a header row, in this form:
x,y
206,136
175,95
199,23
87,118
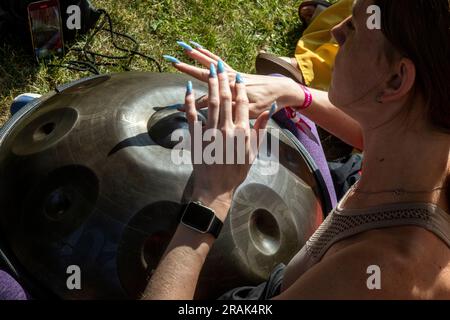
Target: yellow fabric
x,y
316,49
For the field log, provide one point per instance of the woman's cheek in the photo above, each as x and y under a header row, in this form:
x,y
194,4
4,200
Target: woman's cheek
x,y
341,85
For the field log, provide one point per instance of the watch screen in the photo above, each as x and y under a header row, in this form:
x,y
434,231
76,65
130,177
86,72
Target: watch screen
x,y
197,217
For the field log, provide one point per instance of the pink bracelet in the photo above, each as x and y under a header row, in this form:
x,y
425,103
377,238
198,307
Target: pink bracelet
x,y
295,117
292,113
308,98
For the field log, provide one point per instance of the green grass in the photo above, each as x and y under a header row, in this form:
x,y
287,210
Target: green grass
x,y
234,29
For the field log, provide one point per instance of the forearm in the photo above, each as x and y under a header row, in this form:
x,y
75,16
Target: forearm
x,y
177,274
323,113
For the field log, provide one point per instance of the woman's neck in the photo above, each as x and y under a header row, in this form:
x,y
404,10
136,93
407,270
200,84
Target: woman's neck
x,y
413,160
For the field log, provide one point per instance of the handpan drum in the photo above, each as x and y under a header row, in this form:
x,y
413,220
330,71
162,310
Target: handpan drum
x,y
86,179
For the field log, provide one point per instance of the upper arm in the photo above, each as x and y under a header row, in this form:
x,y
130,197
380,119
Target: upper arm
x,y
348,274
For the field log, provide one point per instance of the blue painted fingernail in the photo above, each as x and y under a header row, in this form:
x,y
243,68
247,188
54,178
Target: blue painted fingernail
x,y
272,109
171,59
197,45
212,71
220,67
185,45
239,78
189,88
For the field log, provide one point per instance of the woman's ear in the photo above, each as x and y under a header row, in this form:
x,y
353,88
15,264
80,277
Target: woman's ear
x,y
401,82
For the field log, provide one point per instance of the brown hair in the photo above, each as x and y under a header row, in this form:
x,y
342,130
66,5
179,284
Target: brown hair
x,y
420,30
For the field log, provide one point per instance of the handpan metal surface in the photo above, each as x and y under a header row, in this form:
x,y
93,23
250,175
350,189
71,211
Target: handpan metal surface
x,y
86,179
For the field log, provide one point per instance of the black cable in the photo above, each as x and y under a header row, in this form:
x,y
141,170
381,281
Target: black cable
x,y
80,66
90,63
130,52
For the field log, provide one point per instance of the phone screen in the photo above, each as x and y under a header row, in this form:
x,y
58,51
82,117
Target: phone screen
x,y
46,30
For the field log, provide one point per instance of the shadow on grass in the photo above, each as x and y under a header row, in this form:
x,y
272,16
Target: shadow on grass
x,y
293,35
17,70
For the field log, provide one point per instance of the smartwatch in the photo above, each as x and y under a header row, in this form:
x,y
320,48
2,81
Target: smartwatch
x,y
202,219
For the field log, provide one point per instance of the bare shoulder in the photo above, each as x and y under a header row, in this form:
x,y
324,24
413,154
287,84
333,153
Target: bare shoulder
x,y
395,263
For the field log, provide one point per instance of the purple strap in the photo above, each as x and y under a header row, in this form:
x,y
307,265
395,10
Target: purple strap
x,y
312,144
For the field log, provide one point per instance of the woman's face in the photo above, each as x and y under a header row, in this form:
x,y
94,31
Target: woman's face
x,y
360,67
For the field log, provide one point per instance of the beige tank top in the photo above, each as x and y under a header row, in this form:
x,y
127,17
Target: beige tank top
x,y
344,223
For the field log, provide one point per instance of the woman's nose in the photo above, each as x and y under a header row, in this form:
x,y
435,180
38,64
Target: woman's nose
x,y
339,32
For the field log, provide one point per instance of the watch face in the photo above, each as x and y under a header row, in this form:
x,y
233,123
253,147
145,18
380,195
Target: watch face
x,y
198,217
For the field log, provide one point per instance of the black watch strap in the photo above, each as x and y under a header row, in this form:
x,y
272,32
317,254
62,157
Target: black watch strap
x,y
216,227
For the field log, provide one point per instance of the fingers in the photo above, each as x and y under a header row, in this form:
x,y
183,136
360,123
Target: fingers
x,y
261,121
204,56
200,103
226,112
198,73
214,57
201,58
205,51
201,55
242,104
209,54
196,55
214,99
260,128
191,112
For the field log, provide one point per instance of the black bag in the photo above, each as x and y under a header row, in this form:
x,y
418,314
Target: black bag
x,y
345,173
14,19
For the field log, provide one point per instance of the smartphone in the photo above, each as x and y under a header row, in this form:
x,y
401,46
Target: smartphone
x,y
46,29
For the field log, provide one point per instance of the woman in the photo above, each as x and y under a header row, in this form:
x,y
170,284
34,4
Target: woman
x,y
390,97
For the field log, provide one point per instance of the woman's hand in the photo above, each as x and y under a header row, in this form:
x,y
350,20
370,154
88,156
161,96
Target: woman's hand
x,y
215,181
262,91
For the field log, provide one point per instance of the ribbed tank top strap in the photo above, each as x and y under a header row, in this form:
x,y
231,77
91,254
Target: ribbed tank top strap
x,y
344,223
